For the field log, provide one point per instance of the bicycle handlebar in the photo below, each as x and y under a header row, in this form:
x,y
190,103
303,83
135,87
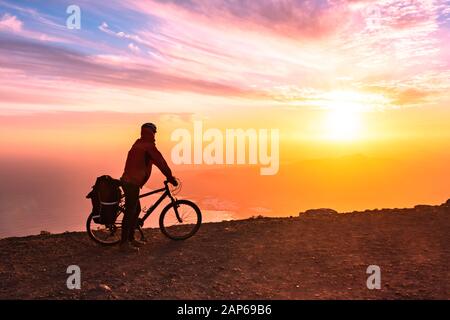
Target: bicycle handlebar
x,y
166,182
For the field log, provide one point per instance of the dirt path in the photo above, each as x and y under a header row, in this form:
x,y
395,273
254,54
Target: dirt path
x,y
310,257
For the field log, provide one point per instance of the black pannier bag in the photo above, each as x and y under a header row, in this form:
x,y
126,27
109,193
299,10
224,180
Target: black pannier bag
x,y
105,197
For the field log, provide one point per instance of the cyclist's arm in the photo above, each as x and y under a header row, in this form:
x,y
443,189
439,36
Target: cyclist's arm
x,y
159,161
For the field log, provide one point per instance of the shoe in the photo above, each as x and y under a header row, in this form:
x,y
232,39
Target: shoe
x,y
136,243
127,247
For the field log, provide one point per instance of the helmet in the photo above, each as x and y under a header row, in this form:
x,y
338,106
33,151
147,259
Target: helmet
x,y
149,125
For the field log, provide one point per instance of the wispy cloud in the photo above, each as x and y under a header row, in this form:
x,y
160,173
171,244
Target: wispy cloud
x,y
281,52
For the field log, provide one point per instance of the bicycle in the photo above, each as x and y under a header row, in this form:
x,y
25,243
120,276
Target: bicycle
x,y
179,220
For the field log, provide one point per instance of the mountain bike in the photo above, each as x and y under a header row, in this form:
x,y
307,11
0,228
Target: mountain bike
x,y
179,220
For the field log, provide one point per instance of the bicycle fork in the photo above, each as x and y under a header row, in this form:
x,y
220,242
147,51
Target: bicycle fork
x,y
175,207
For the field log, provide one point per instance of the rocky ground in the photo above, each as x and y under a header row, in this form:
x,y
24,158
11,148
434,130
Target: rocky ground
x,y
318,255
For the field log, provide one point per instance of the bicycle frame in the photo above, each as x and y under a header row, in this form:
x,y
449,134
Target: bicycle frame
x,y
166,193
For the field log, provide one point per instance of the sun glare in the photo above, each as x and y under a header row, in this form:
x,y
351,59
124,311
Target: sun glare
x,y
342,125
343,118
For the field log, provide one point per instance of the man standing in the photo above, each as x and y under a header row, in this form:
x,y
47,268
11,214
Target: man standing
x,y
138,167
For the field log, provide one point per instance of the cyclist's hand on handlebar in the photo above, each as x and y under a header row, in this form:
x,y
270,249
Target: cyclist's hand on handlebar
x,y
173,181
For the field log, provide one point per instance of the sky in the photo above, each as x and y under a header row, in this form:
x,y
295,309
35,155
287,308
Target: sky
x,y
359,91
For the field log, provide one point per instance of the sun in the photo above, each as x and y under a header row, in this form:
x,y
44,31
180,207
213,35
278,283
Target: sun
x,y
343,119
344,115
342,125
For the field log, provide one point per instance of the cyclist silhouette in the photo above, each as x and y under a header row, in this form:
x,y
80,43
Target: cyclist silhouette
x,y
138,167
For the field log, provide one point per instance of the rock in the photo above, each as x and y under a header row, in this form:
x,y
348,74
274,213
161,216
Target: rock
x,y
319,212
45,233
105,287
446,203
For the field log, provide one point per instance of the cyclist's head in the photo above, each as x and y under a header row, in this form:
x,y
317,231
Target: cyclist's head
x,y
148,130
150,126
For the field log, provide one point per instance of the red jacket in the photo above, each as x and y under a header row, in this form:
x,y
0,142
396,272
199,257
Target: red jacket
x,y
142,155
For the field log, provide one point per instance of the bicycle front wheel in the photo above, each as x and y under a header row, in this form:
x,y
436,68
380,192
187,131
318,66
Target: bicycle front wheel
x,y
180,220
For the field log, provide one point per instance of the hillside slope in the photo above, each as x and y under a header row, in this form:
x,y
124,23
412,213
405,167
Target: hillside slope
x,y
306,257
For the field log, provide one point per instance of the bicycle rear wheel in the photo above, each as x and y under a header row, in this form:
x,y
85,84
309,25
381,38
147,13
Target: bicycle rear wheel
x,y
180,220
108,235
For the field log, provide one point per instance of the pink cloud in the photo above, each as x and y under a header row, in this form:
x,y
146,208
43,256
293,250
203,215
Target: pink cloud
x,y
295,19
10,23
257,49
134,47
31,59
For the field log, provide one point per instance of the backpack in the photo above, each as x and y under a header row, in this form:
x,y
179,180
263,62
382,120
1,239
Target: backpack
x,y
105,197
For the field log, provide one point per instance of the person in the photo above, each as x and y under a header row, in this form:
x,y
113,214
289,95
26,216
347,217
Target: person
x,y
138,167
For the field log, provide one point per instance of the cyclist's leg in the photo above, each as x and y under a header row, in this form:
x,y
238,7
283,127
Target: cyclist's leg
x,y
133,221
131,203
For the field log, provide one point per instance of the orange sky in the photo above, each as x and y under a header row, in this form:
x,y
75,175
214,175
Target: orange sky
x,y
396,165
